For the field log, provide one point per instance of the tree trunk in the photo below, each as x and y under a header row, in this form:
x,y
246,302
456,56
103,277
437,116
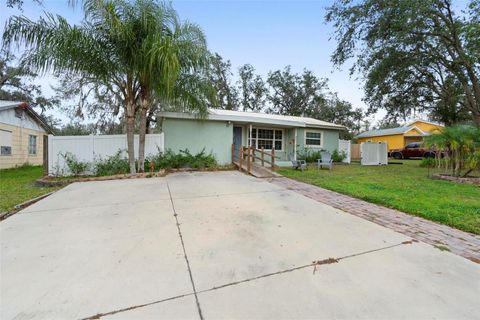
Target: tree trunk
x,y
145,105
141,137
130,142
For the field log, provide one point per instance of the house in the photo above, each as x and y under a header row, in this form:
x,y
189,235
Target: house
x,y
221,128
397,138
21,135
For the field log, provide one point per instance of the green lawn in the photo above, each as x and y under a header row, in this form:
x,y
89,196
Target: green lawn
x,y
405,187
17,186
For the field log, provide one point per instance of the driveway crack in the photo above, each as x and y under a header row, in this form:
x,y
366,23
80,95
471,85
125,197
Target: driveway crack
x,y
185,254
315,264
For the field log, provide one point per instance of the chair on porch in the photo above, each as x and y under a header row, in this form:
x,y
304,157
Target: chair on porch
x,y
297,164
325,161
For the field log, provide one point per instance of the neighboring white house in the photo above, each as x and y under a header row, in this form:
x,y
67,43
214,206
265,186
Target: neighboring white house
x,y
21,135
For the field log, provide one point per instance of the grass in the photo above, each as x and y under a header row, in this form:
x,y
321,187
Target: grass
x,y
17,185
405,187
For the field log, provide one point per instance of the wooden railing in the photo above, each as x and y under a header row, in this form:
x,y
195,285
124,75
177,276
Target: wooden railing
x,y
249,154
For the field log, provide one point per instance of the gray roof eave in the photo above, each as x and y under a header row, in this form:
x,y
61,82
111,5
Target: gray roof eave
x,y
248,119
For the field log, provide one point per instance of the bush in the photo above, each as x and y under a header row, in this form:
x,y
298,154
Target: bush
x,y
338,156
116,164
75,166
308,154
183,159
428,163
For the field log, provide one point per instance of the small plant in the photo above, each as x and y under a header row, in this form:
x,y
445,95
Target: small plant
x,y
428,163
338,156
75,166
116,164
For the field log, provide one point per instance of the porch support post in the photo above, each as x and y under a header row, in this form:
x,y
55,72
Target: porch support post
x,y
295,145
250,129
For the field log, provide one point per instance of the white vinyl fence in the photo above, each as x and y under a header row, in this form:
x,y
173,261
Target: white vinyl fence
x,y
92,148
374,153
344,145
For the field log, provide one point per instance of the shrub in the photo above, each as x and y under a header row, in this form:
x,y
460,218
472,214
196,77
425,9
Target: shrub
x,y
308,154
338,156
75,166
116,164
183,159
428,163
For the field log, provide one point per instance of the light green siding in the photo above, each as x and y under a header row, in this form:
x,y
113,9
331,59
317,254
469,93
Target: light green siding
x,y
329,138
215,137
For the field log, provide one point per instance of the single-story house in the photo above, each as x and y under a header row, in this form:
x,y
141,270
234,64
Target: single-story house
x,y
21,135
397,138
221,128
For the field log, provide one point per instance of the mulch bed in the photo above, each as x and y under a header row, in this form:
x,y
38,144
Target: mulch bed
x,y
49,181
468,179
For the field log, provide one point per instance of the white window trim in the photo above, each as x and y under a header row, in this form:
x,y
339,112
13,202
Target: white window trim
x,y
10,144
310,145
266,128
36,145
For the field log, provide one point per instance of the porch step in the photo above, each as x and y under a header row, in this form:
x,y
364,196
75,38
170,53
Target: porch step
x,y
257,170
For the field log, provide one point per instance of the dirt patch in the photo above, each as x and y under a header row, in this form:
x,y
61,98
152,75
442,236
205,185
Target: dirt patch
x,y
468,179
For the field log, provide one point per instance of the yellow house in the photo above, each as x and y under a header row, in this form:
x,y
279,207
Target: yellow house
x,y
21,135
397,138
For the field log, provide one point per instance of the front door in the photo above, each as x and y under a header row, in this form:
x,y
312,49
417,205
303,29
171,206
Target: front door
x,y
237,140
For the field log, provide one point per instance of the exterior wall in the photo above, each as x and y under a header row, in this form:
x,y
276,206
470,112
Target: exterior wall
x,y
427,127
396,141
8,117
288,140
215,137
20,153
329,138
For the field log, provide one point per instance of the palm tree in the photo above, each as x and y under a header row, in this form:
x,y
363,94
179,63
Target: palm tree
x,y
461,146
139,49
170,57
100,49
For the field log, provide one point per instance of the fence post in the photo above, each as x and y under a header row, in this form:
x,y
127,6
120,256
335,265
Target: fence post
x,y
233,152
45,155
273,158
263,163
248,159
50,153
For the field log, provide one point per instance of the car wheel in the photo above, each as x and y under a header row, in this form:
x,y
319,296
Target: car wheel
x,y
397,155
429,155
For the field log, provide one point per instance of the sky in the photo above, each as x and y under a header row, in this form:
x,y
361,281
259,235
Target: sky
x,y
266,34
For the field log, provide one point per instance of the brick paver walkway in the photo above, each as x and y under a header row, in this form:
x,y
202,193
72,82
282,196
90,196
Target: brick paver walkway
x,y
459,242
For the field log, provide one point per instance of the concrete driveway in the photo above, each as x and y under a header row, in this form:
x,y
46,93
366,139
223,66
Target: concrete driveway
x,y
215,246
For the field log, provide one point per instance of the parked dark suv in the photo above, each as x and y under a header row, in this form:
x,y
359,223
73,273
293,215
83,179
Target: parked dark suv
x,y
412,150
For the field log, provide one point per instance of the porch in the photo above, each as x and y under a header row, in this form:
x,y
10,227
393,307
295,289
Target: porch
x,y
263,141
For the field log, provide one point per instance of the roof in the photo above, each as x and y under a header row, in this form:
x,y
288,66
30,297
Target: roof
x,y
388,132
5,105
424,121
256,117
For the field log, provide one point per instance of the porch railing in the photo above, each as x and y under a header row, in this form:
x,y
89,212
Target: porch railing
x,y
247,155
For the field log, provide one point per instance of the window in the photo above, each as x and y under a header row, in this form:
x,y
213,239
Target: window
x,y
32,144
18,113
5,143
413,145
266,138
313,138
